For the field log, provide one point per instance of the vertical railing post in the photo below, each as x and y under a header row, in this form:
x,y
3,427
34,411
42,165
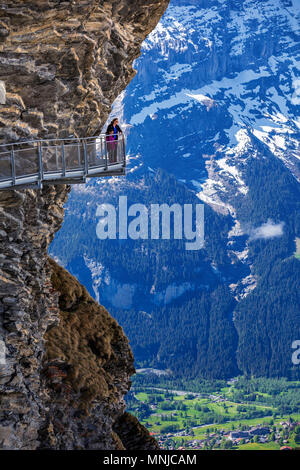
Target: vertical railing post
x,y
118,149
123,150
86,163
78,151
13,166
105,148
63,160
56,158
40,159
101,151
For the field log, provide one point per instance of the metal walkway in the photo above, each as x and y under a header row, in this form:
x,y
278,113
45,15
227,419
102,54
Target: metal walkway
x,y
60,161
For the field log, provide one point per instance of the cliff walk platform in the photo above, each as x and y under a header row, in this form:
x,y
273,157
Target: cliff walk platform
x,y
60,161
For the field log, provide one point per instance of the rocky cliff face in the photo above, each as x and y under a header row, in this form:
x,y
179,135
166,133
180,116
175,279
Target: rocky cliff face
x,y
63,63
86,369
61,66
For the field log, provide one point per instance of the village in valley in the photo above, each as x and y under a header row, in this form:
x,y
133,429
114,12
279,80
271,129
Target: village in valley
x,y
229,418
261,434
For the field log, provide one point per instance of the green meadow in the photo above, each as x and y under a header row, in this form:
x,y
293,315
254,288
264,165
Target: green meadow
x,y
178,419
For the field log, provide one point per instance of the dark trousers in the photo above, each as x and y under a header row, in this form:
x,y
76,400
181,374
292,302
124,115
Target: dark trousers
x,y
112,148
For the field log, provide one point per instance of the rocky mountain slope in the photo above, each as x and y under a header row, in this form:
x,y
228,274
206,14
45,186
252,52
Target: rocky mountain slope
x,y
215,104
61,66
86,369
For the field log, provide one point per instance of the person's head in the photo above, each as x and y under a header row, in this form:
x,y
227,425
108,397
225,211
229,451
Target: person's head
x,y
115,121
111,131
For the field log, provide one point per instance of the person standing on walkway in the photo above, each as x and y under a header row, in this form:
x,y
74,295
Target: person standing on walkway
x,y
114,130
111,145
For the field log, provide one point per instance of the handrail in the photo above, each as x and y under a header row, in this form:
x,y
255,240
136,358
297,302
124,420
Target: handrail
x,y
35,141
64,160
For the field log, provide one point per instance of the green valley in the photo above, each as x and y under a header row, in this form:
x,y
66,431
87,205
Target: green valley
x,y
244,414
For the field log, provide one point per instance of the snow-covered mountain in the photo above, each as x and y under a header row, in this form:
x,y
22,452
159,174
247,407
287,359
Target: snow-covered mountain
x,y
214,107
215,79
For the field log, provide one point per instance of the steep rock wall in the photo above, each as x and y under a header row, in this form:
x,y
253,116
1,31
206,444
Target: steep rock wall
x,y
63,63
86,368
61,66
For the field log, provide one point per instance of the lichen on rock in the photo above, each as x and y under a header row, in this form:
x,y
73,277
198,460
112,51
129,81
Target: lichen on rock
x,y
133,435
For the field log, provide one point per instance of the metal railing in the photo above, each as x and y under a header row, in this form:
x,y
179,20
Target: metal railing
x,y
55,161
